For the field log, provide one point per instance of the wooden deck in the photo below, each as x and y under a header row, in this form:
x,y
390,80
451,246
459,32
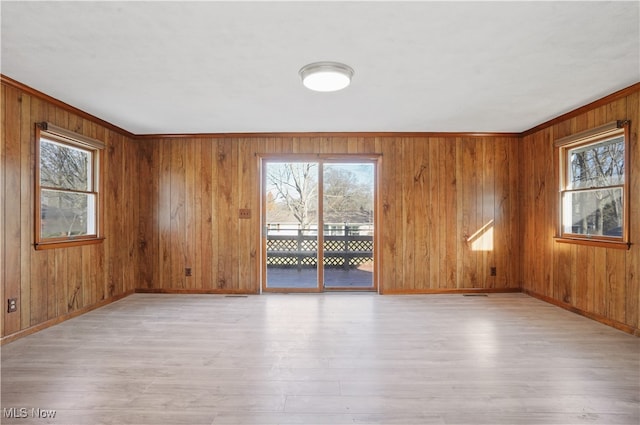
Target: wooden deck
x,y
307,278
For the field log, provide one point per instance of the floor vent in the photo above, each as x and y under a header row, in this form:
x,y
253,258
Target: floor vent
x,y
236,296
475,295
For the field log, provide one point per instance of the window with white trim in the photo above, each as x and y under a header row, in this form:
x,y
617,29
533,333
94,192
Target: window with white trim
x,y
594,185
67,188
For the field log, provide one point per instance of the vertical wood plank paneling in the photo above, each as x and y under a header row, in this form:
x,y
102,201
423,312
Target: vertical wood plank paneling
x,y
122,252
101,264
61,287
563,260
435,250
398,215
216,205
100,291
546,195
146,229
247,246
39,259
369,145
543,269
502,227
461,232
582,263
598,281
469,225
226,214
73,279
178,235
113,202
233,272
513,224
61,256
488,222
448,212
206,254
484,192
115,246
407,220
193,212
3,206
525,189
98,277
351,144
616,260
78,263
477,253
527,185
286,145
26,203
164,214
154,216
616,290
52,294
125,254
632,302
52,283
133,206
584,270
422,212
389,276
13,208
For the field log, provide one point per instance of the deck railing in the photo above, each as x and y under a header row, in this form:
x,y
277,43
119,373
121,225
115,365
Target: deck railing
x,y
345,246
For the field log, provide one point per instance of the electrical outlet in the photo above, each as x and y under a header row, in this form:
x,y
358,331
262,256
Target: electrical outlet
x,y
493,271
244,213
187,271
12,305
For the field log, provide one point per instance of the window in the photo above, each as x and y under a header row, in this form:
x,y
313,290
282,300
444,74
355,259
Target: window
x,y
67,188
594,186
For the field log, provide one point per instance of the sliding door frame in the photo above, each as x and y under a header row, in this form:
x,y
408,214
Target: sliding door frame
x,y
321,159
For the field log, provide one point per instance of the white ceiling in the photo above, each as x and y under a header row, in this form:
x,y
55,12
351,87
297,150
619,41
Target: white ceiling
x,y
215,67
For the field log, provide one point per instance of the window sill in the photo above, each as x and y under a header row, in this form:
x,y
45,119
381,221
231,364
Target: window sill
x,y
67,243
595,242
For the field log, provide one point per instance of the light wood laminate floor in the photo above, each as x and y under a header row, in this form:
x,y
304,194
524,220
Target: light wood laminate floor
x,y
325,359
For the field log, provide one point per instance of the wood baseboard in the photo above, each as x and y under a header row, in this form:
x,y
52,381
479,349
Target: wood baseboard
x,y
593,316
60,319
448,291
195,291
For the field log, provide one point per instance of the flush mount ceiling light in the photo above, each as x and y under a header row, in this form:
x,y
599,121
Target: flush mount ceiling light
x,y
326,76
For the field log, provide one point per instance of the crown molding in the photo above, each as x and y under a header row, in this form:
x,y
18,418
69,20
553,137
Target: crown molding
x,y
72,109
582,109
361,134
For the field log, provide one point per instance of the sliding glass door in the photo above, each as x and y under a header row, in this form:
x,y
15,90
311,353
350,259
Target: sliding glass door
x,y
305,202
347,217
291,225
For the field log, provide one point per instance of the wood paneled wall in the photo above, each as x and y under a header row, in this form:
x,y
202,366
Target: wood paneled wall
x,y
55,283
436,194
173,203
599,282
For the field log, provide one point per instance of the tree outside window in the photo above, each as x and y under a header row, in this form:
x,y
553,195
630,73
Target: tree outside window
x,y
593,189
67,195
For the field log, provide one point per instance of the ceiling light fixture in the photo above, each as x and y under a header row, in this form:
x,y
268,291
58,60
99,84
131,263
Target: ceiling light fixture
x,y
326,76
